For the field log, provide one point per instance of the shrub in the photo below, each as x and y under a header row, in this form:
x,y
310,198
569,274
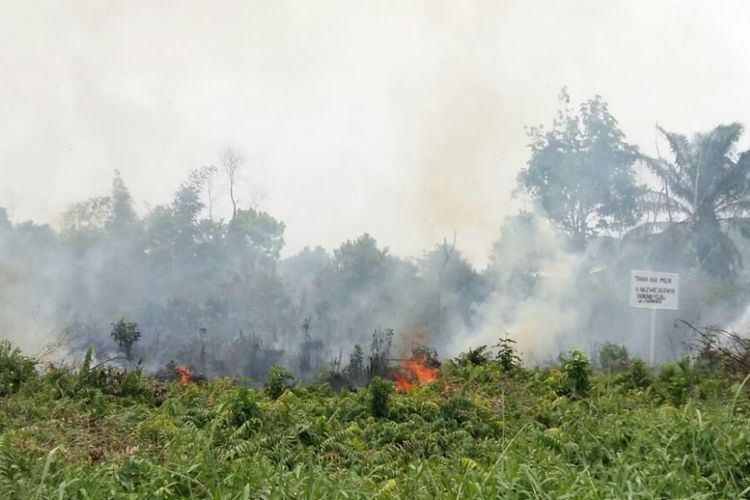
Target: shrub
x,y
277,381
458,409
474,357
638,376
576,375
507,355
15,368
112,381
686,378
380,394
613,358
241,406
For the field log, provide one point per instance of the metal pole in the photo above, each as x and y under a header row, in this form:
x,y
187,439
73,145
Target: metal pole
x,y
653,334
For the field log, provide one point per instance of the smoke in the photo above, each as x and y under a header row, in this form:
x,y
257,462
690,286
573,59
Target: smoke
x,y
215,295
535,280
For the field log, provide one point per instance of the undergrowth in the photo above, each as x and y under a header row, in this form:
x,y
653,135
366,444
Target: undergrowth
x,y
484,429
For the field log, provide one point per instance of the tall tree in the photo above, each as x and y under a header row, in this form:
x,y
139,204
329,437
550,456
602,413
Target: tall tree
x,y
704,196
231,163
123,214
581,171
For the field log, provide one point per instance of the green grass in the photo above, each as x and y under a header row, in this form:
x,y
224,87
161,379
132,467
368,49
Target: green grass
x,y
477,432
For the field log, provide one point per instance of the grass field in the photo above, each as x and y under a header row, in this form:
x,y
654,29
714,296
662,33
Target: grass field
x,y
477,431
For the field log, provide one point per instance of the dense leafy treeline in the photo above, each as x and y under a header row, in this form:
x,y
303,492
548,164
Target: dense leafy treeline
x,y
210,290
214,293
486,428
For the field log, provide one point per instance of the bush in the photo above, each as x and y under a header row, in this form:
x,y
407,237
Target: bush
x,y
15,368
458,409
474,357
613,358
685,378
507,355
576,375
241,406
638,376
111,381
277,381
380,395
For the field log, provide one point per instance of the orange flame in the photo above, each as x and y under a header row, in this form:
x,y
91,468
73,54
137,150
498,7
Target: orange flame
x,y
402,382
184,372
414,373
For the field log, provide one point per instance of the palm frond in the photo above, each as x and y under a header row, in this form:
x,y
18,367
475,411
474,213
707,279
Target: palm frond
x,y
675,180
679,145
658,202
647,229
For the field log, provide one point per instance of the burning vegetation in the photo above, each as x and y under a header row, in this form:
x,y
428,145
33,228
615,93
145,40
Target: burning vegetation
x,y
413,373
184,374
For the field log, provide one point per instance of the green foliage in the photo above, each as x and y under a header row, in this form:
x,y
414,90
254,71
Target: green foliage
x,y
474,356
576,380
475,433
613,358
241,406
380,395
685,378
259,231
704,197
95,381
458,410
581,171
638,375
126,334
507,355
277,381
675,381
15,368
84,372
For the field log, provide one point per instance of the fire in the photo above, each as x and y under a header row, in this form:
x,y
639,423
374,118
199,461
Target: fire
x,y
184,372
414,372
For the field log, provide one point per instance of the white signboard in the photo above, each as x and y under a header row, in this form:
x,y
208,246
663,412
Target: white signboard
x,y
654,290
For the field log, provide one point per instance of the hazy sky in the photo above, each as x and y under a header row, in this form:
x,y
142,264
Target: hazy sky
x,y
401,118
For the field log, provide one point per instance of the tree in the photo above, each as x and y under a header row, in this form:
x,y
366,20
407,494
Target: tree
x,y
704,196
126,334
85,221
231,163
360,263
447,252
581,171
257,231
459,288
355,370
123,215
89,219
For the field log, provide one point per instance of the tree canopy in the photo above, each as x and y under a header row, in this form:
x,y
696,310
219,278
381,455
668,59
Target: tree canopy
x,y
581,171
704,198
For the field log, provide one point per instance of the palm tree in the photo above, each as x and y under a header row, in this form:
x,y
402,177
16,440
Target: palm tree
x,y
704,199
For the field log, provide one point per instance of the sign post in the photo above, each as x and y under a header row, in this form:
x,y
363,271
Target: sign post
x,y
654,290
